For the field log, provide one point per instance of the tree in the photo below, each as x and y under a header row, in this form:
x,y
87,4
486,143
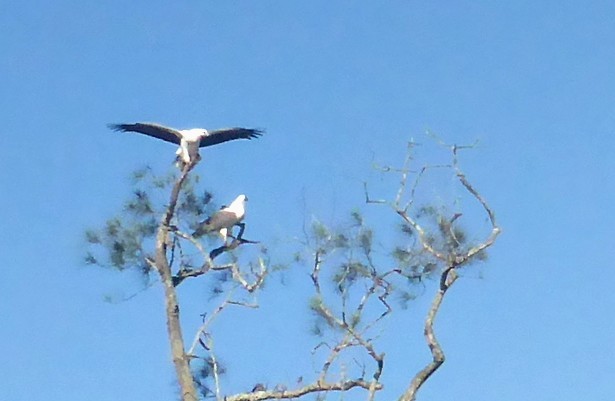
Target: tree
x,y
353,283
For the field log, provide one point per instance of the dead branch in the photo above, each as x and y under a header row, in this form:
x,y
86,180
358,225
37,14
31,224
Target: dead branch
x,y
203,329
448,257
495,229
316,387
447,278
352,337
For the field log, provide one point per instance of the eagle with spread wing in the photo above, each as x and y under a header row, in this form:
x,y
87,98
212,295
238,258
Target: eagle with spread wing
x,y
189,140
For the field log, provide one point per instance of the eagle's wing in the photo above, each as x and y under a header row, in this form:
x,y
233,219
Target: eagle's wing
x,y
151,129
221,219
228,134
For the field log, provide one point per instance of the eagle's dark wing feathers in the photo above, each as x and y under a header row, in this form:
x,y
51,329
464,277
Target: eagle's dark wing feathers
x,y
220,219
151,129
228,134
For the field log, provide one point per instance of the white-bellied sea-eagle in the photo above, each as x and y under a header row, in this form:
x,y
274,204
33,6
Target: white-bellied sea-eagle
x,y
224,219
189,140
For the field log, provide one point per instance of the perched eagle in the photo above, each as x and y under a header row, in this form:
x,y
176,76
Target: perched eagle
x,y
224,219
189,140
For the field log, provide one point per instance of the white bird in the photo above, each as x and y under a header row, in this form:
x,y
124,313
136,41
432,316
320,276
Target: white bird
x,y
189,140
224,219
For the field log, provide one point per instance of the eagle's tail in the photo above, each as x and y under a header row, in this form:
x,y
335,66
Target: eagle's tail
x,y
199,232
202,229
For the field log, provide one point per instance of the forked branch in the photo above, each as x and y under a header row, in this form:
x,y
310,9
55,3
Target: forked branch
x,y
447,278
450,258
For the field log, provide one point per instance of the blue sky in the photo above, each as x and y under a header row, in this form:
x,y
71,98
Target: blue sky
x,y
335,84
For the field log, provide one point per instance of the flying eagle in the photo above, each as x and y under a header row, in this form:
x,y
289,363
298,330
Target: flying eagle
x,y
189,140
224,219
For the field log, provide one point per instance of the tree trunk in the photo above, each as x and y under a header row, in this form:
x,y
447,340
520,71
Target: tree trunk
x,y
180,359
447,279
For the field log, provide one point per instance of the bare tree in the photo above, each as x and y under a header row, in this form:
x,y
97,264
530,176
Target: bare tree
x,y
356,284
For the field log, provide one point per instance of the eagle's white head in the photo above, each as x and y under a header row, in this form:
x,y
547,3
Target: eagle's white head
x,y
239,202
193,134
238,206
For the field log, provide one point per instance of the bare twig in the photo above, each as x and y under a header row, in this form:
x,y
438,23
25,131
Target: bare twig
x,y
423,238
208,320
334,354
133,295
216,369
